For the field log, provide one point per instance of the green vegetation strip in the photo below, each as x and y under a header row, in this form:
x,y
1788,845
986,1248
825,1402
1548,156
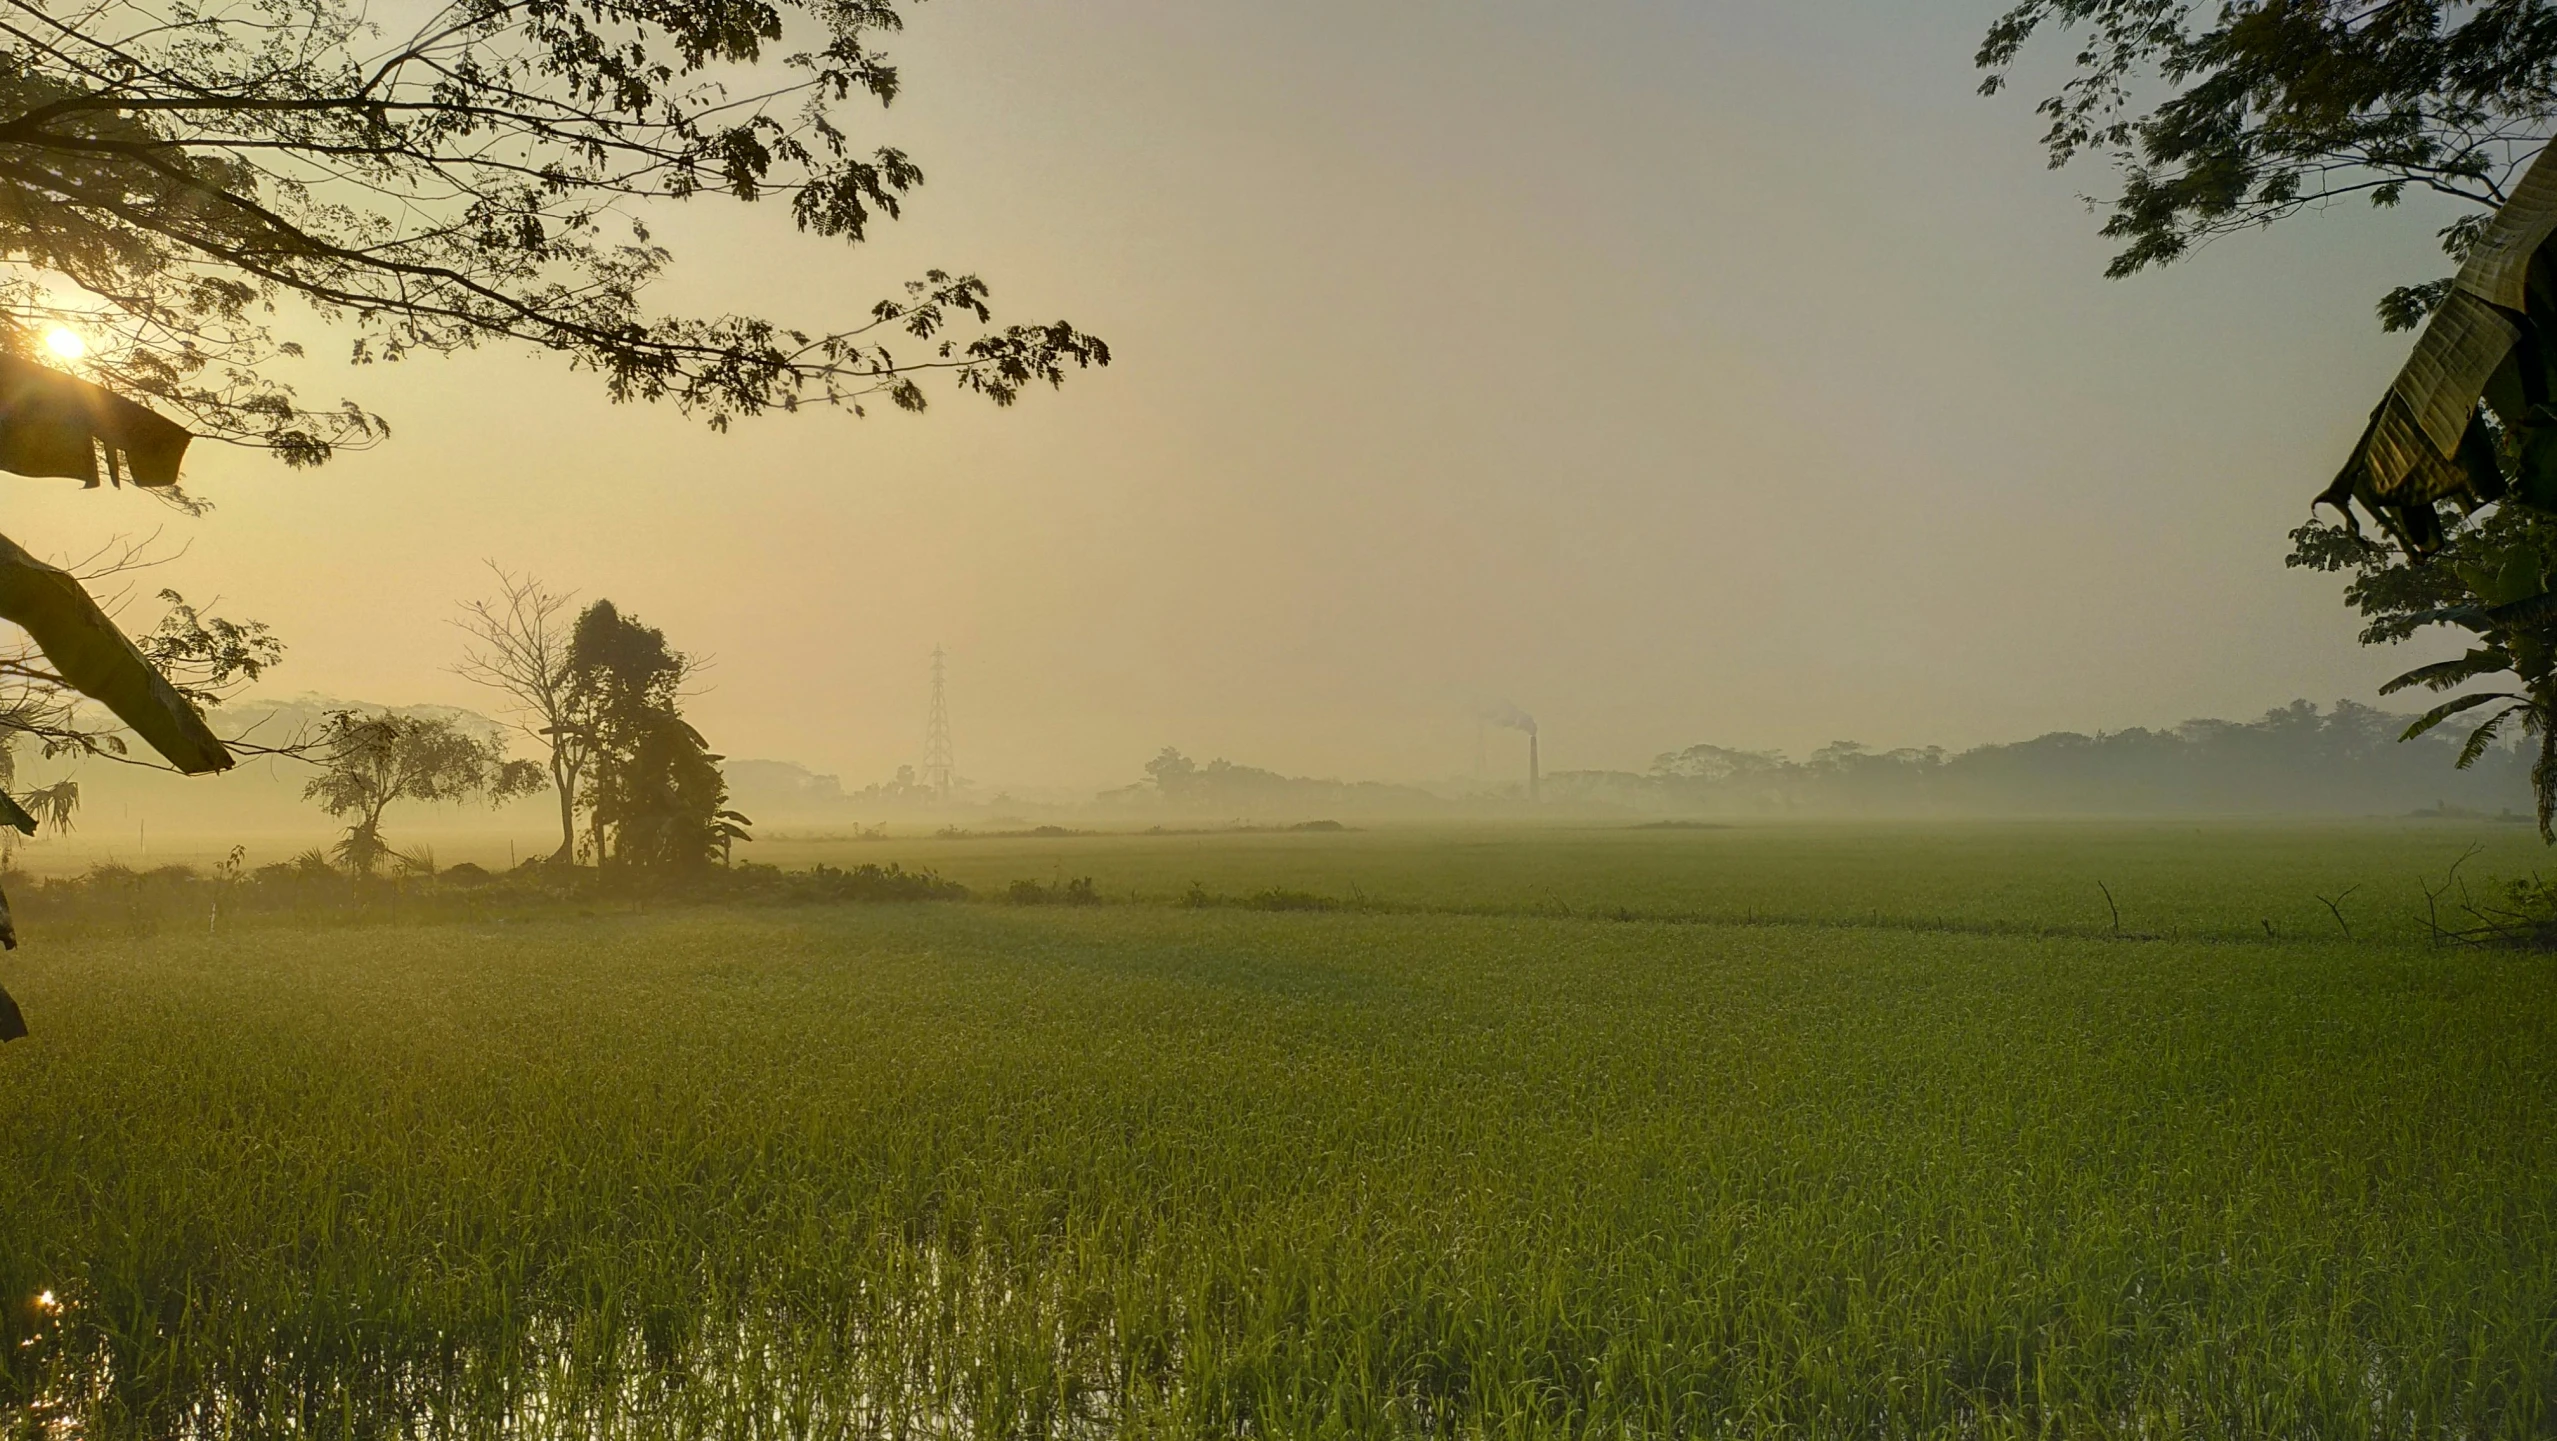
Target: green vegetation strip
x,y
1114,1170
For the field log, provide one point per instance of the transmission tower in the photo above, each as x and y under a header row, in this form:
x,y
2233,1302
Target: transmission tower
x,y
937,771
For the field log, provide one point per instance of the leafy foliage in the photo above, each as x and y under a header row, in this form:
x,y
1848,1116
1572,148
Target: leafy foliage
x,y
188,660
2275,107
476,171
655,797
2482,581
84,651
370,761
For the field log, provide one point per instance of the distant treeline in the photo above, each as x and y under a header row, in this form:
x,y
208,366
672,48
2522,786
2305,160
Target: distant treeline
x,y
2298,759
1175,782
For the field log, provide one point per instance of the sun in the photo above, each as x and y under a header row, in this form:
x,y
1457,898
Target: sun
x,y
65,342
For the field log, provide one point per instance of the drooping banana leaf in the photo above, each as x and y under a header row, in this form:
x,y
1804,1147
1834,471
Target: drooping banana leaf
x,y
57,424
2440,675
2449,708
88,651
2484,736
2494,339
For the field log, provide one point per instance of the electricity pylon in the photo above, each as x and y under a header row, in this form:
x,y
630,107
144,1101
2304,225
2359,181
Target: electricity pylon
x,y
937,770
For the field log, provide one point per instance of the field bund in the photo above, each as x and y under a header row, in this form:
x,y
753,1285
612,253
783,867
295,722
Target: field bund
x,y
1637,1155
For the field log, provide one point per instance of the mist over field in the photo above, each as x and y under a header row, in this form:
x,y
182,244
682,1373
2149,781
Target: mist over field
x,y
846,720
1718,374
2301,760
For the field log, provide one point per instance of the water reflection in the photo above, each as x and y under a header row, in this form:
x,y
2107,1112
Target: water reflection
x,y
597,1375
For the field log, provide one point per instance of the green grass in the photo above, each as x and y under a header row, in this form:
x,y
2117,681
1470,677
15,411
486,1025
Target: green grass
x,y
2208,879
1137,1170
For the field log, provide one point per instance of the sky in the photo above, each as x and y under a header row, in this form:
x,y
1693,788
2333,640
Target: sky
x,y
1724,371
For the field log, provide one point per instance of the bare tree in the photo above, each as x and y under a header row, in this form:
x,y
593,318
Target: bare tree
x,y
520,648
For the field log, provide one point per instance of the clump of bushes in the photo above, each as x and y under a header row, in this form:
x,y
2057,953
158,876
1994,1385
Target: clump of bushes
x,y
823,883
310,885
1199,898
1078,892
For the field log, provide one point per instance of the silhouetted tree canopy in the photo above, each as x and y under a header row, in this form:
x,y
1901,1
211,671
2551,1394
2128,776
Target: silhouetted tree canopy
x,y
2228,117
441,177
654,794
2344,760
367,762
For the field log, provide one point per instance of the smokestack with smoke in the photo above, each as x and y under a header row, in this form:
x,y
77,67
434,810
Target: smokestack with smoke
x,y
1510,717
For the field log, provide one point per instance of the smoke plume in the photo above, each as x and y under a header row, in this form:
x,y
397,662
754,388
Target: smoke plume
x,y
1509,717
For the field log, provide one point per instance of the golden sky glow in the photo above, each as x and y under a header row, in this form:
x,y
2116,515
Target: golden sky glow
x,y
1680,372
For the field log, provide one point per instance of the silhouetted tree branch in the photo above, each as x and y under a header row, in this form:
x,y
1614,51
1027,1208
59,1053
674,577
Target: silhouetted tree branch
x,y
170,172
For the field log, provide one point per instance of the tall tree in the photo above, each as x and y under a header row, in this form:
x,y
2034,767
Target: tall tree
x,y
654,794
520,643
370,761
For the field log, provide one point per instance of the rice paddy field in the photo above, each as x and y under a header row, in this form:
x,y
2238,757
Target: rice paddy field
x,y
1871,1131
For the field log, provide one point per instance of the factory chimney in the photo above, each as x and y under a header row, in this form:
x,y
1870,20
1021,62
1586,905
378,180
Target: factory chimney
x,y
1534,782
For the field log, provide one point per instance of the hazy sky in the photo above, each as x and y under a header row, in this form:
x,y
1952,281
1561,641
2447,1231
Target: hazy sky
x,y
1713,371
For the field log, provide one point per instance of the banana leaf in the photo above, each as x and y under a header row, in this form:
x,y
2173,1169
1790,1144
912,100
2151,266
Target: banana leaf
x,y
2484,736
57,424
99,662
2447,709
2426,441
15,815
2537,610
2442,674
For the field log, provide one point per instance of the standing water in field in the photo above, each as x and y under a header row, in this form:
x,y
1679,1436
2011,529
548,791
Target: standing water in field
x,y
995,1170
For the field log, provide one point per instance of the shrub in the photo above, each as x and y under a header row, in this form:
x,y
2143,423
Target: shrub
x,y
1078,892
